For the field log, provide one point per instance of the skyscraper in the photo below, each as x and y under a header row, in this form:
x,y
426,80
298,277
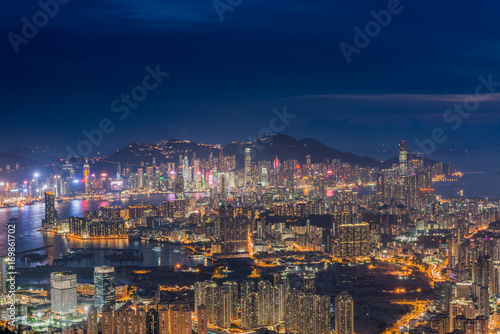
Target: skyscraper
x,y
403,158
104,286
63,293
344,314
233,232
152,322
3,274
352,240
50,220
92,321
248,166
86,175
202,319
185,172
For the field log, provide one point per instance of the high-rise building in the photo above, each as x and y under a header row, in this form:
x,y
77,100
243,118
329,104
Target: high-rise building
x,y
104,286
344,314
152,322
107,320
50,220
92,321
233,232
63,294
352,240
202,319
248,166
403,158
307,313
185,172
3,274
86,175
140,178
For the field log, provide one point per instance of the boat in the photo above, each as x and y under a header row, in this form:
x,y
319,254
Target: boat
x,y
13,218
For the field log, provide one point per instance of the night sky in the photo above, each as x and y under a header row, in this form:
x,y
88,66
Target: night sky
x,y
227,76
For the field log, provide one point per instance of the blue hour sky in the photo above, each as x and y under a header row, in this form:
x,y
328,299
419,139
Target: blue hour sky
x,y
227,76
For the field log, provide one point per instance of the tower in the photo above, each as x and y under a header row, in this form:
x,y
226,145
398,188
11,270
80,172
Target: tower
x,y
104,286
50,220
63,293
248,165
403,158
86,174
344,314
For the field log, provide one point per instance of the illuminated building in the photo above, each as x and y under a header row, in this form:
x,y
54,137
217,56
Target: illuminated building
x,y
84,228
248,166
307,313
86,175
104,286
202,319
63,295
344,314
50,220
175,209
403,158
107,320
185,172
152,322
3,274
233,232
352,240
140,178
92,321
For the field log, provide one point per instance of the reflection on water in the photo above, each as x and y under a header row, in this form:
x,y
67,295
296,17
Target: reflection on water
x,y
30,219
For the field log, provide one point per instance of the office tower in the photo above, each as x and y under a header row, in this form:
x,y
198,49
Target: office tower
x,y
86,175
152,322
344,314
223,186
107,320
63,295
197,174
185,172
50,220
353,240
202,319
233,232
104,286
403,158
248,166
140,178
264,178
3,274
92,321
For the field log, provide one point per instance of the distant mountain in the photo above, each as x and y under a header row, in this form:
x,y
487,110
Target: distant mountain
x,y
283,146
42,154
286,147
11,160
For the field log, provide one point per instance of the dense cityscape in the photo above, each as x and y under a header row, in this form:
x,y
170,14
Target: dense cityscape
x,y
285,246
249,167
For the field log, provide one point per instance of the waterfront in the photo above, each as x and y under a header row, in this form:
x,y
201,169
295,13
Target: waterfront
x,y
29,220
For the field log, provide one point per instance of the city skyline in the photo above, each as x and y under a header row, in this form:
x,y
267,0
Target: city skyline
x,y
253,167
